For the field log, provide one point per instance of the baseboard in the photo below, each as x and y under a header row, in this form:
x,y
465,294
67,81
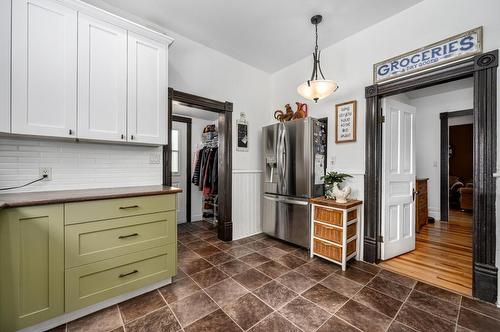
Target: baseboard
x,y
71,316
436,214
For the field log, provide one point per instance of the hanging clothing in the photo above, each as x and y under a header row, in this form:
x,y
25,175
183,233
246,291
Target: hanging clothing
x,y
196,173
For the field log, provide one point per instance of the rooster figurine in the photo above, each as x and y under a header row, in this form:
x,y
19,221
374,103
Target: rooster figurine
x,y
284,116
301,111
341,194
289,114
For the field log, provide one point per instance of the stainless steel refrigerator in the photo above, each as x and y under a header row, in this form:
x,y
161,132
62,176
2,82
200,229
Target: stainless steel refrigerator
x,y
294,162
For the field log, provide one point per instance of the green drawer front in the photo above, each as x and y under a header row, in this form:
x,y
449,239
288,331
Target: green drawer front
x,y
80,212
93,283
95,241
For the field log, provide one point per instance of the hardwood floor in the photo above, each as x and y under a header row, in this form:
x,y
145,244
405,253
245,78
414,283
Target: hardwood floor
x,y
443,254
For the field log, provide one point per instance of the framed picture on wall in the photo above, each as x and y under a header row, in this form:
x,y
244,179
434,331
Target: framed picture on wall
x,y
242,127
345,122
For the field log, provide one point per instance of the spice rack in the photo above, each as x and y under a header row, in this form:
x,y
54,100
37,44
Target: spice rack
x,y
335,229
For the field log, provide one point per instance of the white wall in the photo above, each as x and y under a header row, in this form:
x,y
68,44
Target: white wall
x,y
350,62
428,132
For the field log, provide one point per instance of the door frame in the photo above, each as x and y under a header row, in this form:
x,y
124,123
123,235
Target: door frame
x,y
189,124
483,68
225,124
444,197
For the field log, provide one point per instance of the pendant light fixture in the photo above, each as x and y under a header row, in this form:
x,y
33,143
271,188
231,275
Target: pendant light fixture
x,y
316,89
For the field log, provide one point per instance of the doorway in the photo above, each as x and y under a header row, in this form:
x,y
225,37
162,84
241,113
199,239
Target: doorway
x,y
483,69
416,240
223,113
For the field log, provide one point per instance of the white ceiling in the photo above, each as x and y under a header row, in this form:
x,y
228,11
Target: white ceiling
x,y
191,112
267,34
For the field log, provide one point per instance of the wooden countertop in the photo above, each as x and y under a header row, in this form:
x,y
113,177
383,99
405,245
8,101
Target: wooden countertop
x,y
332,203
67,196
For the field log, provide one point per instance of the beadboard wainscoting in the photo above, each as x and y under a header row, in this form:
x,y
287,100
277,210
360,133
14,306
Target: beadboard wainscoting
x,y
247,195
76,165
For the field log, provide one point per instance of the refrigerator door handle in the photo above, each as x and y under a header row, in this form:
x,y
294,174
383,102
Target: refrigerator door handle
x,y
295,202
285,200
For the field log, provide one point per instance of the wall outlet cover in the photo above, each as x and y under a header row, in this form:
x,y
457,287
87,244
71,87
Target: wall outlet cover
x,y
46,171
154,158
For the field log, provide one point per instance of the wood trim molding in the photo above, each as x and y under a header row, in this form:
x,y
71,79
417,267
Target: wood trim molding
x,y
444,165
483,68
188,122
225,225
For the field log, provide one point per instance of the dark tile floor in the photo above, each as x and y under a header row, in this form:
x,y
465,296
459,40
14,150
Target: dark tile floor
x,y
261,284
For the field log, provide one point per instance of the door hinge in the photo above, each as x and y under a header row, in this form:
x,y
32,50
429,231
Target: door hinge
x,y
382,119
380,239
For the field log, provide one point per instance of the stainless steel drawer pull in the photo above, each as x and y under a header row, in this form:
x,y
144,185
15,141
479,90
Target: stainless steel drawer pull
x,y
127,274
128,207
129,235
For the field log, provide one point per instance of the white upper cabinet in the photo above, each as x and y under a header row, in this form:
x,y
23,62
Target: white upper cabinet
x,y
102,80
5,66
44,68
147,90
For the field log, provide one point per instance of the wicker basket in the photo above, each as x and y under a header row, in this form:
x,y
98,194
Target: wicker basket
x,y
351,215
328,216
328,250
351,247
332,233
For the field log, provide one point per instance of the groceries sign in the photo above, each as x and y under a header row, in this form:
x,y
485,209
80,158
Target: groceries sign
x,y
450,49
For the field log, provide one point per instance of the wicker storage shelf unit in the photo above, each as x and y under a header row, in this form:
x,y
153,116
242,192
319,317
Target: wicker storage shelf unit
x,y
335,230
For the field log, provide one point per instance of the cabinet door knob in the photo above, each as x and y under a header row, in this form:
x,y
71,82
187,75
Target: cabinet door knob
x,y
131,137
70,132
123,136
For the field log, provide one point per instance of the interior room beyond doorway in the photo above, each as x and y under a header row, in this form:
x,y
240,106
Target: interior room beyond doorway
x,y
417,241
194,163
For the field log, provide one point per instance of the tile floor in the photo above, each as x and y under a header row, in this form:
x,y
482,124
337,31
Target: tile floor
x,y
261,284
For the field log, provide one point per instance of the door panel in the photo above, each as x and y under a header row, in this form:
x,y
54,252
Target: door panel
x,y
147,90
398,183
44,68
32,265
102,80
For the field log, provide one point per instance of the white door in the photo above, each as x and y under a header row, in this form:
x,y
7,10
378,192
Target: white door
x,y
5,66
398,179
44,68
147,90
102,80
179,164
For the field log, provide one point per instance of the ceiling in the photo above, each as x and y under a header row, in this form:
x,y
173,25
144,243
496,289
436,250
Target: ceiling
x,y
195,113
266,34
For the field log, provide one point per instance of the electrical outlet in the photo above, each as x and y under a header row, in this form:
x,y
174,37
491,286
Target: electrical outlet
x,y
154,158
47,172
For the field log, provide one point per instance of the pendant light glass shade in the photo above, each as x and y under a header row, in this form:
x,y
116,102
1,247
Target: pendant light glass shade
x,y
317,89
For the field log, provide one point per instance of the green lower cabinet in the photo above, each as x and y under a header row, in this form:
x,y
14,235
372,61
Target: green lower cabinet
x,y
92,283
31,265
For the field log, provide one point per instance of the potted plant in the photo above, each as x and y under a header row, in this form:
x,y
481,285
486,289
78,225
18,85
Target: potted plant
x,y
332,181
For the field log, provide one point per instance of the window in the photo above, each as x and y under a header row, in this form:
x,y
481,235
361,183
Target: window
x,y
175,151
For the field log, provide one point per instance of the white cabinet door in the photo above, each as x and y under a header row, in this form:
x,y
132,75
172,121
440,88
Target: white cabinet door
x,y
398,179
102,80
44,68
5,66
147,90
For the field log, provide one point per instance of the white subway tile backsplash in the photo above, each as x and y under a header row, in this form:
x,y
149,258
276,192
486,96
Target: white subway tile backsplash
x,y
76,165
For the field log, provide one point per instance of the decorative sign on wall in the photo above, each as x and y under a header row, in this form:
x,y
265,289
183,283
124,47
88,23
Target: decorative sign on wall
x,y
451,49
345,115
242,126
